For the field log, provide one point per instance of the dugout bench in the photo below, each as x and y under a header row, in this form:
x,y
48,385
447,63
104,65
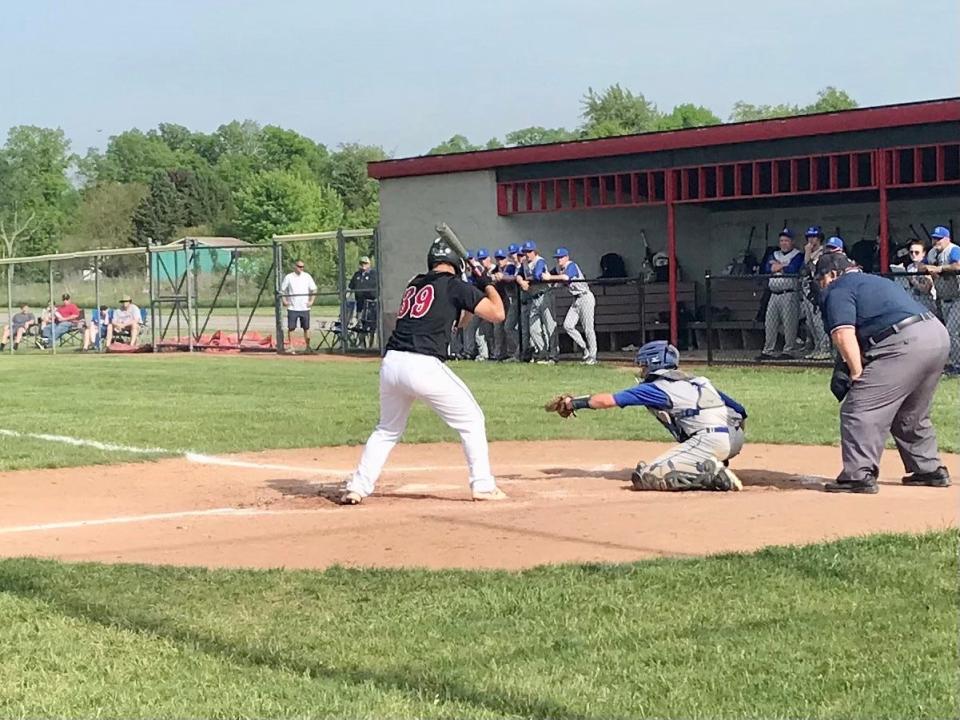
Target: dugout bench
x,y
733,324
627,312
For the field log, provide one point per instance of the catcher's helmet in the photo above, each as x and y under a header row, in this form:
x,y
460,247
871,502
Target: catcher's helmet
x,y
657,355
440,252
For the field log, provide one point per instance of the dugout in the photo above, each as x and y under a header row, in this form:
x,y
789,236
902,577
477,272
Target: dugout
x,y
882,173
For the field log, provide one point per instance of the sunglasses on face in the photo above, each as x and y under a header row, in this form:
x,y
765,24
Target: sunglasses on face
x,y
299,267
916,252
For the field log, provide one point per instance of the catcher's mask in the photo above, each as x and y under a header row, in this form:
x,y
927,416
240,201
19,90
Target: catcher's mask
x,y
656,355
440,252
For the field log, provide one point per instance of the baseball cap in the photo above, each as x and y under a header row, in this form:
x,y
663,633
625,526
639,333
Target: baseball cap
x,y
364,259
834,243
814,231
940,232
786,232
500,253
528,246
469,254
126,298
561,252
513,248
832,262
482,253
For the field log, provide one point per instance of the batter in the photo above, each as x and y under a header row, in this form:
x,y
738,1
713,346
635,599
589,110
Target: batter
x,y
414,369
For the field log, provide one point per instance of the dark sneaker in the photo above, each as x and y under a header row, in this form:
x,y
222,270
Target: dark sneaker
x,y
937,478
863,487
765,356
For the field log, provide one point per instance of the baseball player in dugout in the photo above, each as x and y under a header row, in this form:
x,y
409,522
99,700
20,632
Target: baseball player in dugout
x,y
893,350
413,369
707,424
505,334
783,310
543,328
581,310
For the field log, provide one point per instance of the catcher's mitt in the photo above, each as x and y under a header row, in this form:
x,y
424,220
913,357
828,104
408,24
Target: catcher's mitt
x,y
560,405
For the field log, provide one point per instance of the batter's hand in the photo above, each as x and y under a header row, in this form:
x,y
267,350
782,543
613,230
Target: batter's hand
x,y
562,405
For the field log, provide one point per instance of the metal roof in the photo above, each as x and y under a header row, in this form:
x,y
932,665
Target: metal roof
x,y
860,119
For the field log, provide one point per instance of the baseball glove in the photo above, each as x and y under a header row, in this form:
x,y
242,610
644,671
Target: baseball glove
x,y
560,405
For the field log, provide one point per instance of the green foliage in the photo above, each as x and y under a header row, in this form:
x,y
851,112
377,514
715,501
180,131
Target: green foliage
x,y
493,144
104,218
134,156
829,99
348,176
279,203
455,144
35,195
861,628
539,135
290,151
616,111
688,115
160,213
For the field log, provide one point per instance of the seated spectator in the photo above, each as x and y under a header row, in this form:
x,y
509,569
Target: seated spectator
x,y
126,321
921,286
65,317
19,324
97,331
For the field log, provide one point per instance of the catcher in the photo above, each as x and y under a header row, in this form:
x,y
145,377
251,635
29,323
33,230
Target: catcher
x,y
708,424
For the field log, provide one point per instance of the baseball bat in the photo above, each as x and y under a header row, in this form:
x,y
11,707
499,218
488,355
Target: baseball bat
x,y
444,231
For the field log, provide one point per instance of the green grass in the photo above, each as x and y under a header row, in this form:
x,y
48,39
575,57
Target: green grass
x,y
222,404
862,628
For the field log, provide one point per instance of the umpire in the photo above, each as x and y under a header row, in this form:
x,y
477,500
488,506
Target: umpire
x,y
894,350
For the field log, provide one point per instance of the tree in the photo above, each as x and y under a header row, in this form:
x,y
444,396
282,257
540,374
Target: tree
x,y
829,99
688,115
493,144
104,218
359,192
35,193
277,203
455,144
160,214
205,198
134,156
281,149
539,135
616,111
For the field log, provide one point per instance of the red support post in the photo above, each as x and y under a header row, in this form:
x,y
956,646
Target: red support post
x,y
834,174
635,188
602,179
543,195
514,202
671,254
572,193
884,228
917,166
617,189
557,195
502,200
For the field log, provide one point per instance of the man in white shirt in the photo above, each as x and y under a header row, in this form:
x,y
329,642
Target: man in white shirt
x,y
125,321
298,291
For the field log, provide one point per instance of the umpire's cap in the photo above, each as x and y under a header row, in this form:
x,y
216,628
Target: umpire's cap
x,y
832,262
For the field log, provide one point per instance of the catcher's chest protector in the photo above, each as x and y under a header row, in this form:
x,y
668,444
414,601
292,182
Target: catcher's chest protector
x,y
695,403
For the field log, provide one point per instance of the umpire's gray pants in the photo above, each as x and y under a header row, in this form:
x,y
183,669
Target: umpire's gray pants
x,y
543,328
821,341
582,311
951,318
893,396
783,315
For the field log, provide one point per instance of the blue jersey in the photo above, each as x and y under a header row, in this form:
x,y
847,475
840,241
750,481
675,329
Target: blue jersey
x,y
536,271
866,302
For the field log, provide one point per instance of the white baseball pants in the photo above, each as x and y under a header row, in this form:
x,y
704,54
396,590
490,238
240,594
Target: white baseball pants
x,y
404,378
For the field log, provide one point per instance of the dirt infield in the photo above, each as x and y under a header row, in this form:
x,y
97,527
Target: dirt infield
x,y
570,502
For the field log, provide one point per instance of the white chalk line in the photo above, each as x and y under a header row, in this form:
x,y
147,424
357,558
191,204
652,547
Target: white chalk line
x,y
202,459
126,519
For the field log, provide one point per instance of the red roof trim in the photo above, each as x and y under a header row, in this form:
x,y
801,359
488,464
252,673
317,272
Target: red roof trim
x,y
873,118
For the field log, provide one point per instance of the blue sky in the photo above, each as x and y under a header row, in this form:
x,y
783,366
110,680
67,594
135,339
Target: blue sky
x,y
406,75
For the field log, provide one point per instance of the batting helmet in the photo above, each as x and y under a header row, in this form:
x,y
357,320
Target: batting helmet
x,y
657,355
440,252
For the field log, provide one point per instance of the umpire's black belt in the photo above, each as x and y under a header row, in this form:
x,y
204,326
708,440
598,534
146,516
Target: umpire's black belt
x,y
897,327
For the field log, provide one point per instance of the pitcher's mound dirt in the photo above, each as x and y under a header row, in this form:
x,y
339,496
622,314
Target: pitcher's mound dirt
x,y
569,502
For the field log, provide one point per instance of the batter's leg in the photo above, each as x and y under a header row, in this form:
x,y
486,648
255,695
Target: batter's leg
x,y
395,404
451,399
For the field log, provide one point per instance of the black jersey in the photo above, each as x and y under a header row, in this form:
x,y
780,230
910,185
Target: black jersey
x,y
430,305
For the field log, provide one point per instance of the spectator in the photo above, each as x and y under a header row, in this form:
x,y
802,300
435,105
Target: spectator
x,y
19,324
543,328
783,310
943,262
364,287
583,307
97,330
65,317
125,321
921,287
810,290
298,292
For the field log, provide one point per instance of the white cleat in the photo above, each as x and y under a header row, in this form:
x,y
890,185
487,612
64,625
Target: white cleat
x,y
351,498
495,494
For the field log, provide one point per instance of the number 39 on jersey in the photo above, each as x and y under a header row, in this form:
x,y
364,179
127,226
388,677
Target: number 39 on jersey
x,y
416,303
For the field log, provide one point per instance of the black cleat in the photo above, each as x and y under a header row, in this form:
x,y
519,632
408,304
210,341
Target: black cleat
x,y
936,478
863,487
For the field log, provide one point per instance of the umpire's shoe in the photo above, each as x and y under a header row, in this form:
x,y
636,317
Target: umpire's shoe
x,y
863,487
936,478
